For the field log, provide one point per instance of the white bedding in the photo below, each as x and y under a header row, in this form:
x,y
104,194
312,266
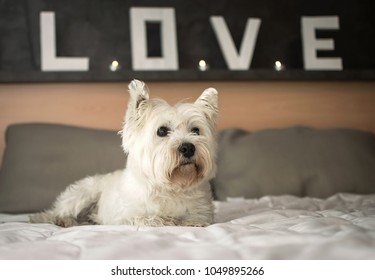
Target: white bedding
x,y
282,227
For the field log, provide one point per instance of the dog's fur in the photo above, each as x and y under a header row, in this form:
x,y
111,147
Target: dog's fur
x,y
171,154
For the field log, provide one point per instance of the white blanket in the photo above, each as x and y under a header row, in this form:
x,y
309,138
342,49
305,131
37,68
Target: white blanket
x,y
282,227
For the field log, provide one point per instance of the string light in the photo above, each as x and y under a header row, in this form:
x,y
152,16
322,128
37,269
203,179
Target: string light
x,y
278,66
202,65
114,66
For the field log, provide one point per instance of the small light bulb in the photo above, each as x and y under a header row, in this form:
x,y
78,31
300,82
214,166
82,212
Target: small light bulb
x,y
114,66
278,66
202,65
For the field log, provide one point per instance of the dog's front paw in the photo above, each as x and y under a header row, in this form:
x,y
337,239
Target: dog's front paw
x,y
66,221
154,221
193,224
170,221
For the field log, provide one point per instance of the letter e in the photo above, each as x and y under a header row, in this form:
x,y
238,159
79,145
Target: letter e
x,y
311,44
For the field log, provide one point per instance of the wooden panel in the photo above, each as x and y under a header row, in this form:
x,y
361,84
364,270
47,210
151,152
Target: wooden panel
x,y
248,105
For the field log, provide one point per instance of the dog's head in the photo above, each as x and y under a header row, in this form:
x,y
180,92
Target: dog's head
x,y
171,145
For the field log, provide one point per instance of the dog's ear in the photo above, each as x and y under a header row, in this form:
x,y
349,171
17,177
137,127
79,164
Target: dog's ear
x,y
134,117
138,102
138,92
208,101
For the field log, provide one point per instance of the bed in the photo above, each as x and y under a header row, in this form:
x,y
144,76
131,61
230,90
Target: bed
x,y
291,193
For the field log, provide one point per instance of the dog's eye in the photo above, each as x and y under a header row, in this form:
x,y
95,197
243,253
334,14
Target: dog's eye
x,y
195,130
162,131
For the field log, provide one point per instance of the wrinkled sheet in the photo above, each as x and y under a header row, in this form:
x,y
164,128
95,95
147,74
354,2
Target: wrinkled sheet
x,y
272,227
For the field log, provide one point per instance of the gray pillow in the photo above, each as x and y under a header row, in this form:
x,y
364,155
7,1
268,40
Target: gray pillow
x,y
298,161
40,160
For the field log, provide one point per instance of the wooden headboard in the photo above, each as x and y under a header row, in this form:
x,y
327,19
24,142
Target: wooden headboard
x,y
248,105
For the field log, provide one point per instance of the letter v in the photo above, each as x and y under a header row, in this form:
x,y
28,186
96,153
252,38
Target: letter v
x,y
235,60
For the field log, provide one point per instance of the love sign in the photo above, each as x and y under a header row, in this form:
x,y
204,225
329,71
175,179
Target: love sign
x,y
101,40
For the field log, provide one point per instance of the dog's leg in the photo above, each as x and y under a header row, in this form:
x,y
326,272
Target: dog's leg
x,y
69,206
202,215
193,224
154,221
196,220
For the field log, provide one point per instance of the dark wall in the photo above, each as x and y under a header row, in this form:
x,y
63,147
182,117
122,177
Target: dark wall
x,y
100,30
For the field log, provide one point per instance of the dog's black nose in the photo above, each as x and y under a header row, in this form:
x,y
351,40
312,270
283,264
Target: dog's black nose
x,y
187,150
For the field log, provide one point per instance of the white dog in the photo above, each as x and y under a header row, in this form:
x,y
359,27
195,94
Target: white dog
x,y
171,153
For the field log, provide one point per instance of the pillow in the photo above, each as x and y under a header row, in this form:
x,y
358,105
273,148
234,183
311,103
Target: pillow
x,y
299,161
41,160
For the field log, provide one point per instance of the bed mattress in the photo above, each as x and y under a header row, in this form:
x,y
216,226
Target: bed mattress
x,y
272,227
